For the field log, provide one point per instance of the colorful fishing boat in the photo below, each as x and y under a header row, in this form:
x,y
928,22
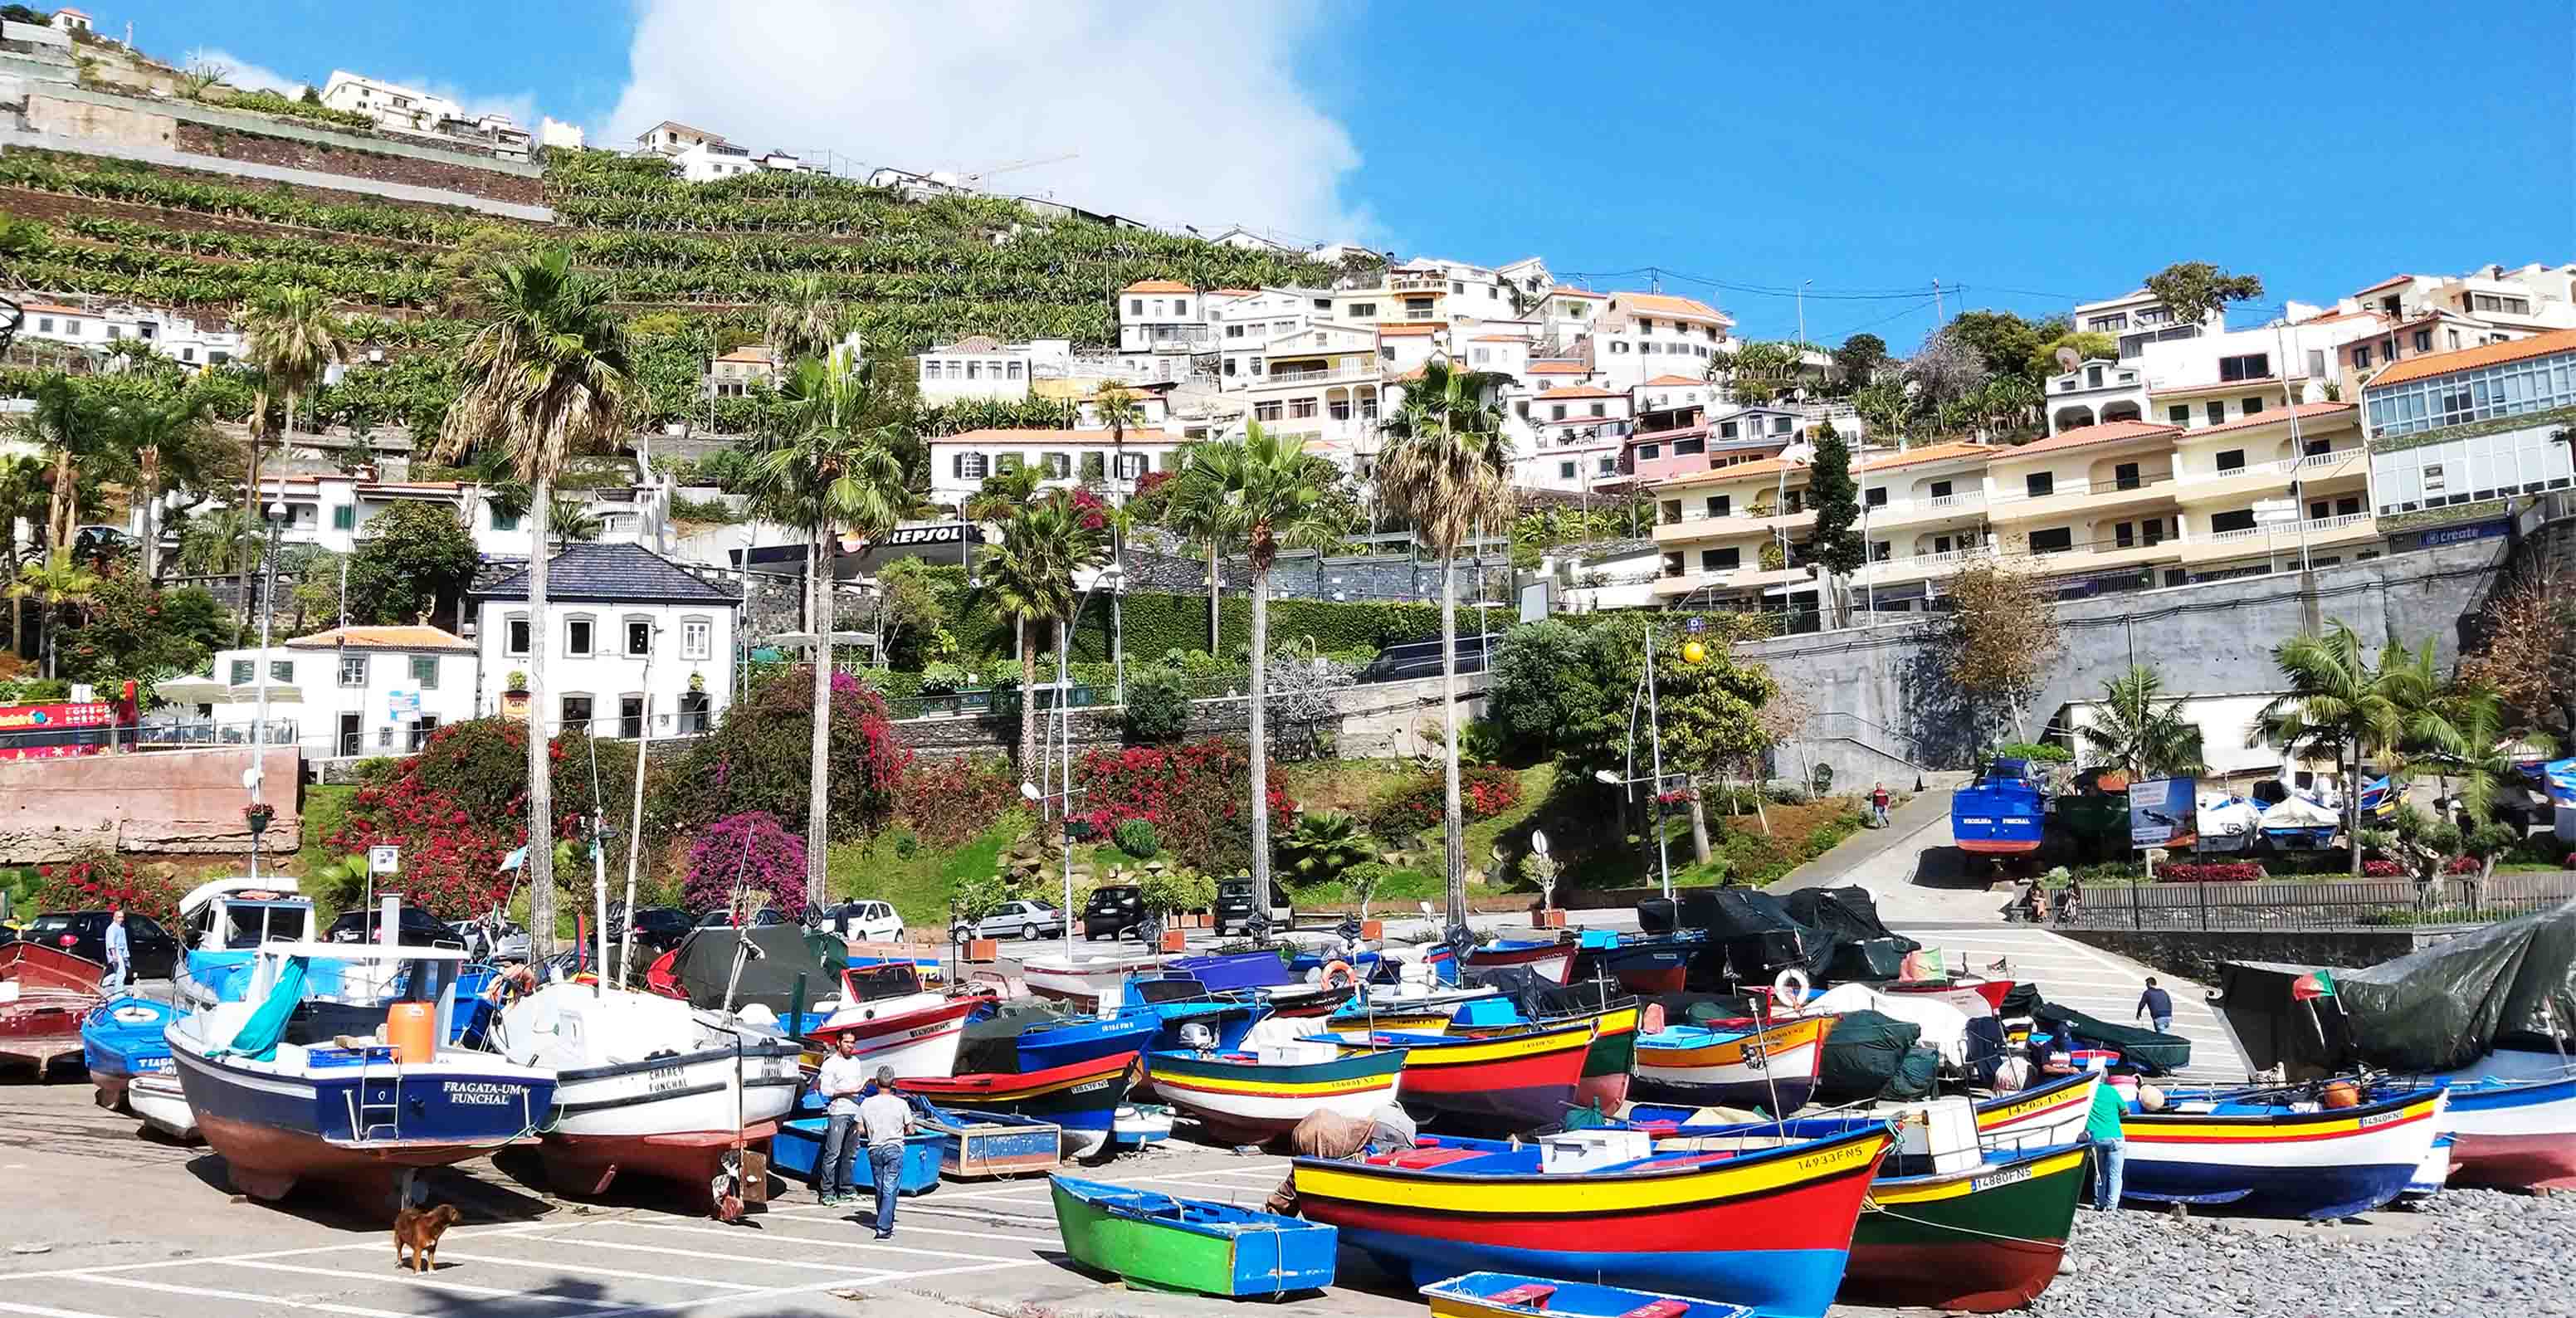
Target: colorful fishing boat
x,y
2040,1117
1140,1126
45,993
1176,1000
1551,960
982,1145
1254,1097
1260,977
1984,1239
2003,813
1082,1099
1773,1069
1972,995
121,1039
1643,964
2268,1156
1042,1034
1516,1081
2512,1135
2431,1175
1083,976
1607,1068
1156,1242
1512,1295
896,1022
1771,1228
159,1099
797,1152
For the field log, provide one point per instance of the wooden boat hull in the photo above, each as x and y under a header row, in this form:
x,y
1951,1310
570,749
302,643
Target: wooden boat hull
x,y
41,1027
2318,1165
1242,1103
163,1105
988,1145
1607,1069
1774,1070
1648,968
1772,1229
1514,1082
1512,1295
586,1165
1261,1259
2037,1118
922,1042
1081,1100
1553,962
1983,1240
2515,1137
1084,978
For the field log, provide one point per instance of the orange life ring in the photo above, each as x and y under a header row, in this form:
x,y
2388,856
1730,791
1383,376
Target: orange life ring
x,y
1341,968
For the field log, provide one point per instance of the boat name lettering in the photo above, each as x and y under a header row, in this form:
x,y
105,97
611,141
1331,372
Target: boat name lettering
x,y
1971,819
156,1065
480,1093
2009,1176
662,1079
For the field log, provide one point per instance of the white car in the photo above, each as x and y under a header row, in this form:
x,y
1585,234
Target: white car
x,y
871,922
1027,919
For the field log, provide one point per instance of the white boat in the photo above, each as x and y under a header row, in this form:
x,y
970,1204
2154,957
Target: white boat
x,y
896,1022
1084,976
286,1095
163,1105
645,1083
224,922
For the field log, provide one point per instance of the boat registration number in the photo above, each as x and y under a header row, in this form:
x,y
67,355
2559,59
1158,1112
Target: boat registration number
x,y
156,1065
2013,1176
662,1079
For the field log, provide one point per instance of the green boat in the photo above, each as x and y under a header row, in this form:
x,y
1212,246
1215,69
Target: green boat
x,y
1982,1240
1157,1242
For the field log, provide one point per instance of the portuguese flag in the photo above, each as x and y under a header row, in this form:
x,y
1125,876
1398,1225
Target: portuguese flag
x,y
2311,986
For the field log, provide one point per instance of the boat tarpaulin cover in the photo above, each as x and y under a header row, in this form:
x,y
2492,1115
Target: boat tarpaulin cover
x,y
1761,938
1848,913
1539,997
2150,1052
1863,1052
2433,1010
705,965
992,1045
2307,1040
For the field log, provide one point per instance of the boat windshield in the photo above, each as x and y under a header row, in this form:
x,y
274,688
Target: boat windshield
x,y
877,983
1152,992
247,924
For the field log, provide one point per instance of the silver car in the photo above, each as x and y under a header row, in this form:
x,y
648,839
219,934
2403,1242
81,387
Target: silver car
x,y
1027,919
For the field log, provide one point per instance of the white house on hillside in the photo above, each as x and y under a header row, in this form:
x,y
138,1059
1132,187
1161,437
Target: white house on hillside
x,y
391,105
354,691
622,624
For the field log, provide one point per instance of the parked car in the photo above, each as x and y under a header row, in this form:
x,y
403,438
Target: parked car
x,y
658,929
1025,918
1113,911
1234,905
414,928
720,917
867,921
84,934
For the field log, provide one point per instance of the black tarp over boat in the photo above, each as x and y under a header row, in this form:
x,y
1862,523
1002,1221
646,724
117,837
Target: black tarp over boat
x,y
1864,948
1756,933
785,951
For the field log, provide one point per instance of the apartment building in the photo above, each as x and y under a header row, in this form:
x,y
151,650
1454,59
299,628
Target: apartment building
x,y
632,639
177,337
733,374
1638,336
2140,318
333,511
982,367
1244,321
2453,436
1162,316
1322,383
1576,435
960,462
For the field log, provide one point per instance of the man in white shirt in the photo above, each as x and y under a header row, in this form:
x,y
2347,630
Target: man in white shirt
x,y
840,1080
888,1119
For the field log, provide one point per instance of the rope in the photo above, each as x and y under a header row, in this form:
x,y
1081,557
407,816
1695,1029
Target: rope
x,y
1872,1206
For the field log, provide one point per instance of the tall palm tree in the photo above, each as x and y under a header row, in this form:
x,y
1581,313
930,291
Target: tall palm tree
x,y
1029,578
1196,511
545,378
2339,704
2465,733
832,467
1118,408
1269,505
70,426
291,337
221,541
2142,733
805,323
1448,470
168,436
55,582
571,522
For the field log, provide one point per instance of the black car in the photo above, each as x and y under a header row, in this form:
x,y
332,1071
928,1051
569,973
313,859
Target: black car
x,y
720,917
1112,911
414,928
1234,905
84,934
659,928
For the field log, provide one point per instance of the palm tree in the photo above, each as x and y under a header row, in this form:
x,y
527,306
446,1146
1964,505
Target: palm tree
x,y
805,323
1448,470
55,582
224,540
2465,732
70,426
571,521
1118,408
1269,504
2141,735
1196,511
545,378
1029,578
168,434
290,336
22,495
2339,705
834,467
2010,399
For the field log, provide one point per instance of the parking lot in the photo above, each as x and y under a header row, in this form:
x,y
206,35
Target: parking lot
x,y
103,1223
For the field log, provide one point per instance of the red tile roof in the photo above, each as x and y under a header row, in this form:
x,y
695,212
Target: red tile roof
x,y
1157,286
2304,411
1408,330
1580,391
2106,433
1500,338
1928,453
1665,304
383,638
2390,282
1559,368
1562,291
1662,381
2469,359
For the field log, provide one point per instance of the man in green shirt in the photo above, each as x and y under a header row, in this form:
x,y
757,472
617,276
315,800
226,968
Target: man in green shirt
x,y
2102,1127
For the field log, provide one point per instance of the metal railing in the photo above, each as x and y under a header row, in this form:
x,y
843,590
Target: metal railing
x,y
2321,903
2313,524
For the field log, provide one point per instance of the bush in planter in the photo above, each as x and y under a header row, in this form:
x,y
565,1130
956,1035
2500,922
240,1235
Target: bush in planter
x,y
1136,837
1158,706
941,678
2211,871
1175,889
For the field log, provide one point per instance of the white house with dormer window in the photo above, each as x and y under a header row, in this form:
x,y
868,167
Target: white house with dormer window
x,y
352,691
627,631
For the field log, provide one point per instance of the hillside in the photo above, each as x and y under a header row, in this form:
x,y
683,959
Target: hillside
x,y
695,266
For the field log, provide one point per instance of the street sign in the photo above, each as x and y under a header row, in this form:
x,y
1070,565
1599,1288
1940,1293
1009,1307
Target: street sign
x,y
384,860
402,704
1538,841
1695,625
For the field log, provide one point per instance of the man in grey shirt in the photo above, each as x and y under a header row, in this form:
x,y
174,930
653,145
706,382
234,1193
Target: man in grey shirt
x,y
888,1119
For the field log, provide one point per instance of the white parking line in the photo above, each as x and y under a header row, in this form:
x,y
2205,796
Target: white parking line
x,y
805,1288
410,1279
759,1260
474,1233
594,1270
211,1293
39,1311
907,1228
984,1215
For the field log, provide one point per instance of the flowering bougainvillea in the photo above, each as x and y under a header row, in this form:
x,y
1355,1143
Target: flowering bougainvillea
x,y
2382,869
2212,871
751,848
949,802
1484,791
1197,795
459,808
760,757
1088,505
99,881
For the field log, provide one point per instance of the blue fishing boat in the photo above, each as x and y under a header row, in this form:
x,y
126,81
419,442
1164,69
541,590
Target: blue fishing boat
x,y
1178,1000
1281,986
797,1153
1157,1242
2003,813
2270,1153
121,1039
1643,964
1033,1034
1514,1295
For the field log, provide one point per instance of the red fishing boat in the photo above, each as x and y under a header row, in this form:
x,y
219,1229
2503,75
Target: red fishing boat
x,y
1516,1081
44,994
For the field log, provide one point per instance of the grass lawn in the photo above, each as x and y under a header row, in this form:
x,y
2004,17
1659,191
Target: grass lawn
x,y
919,884
325,806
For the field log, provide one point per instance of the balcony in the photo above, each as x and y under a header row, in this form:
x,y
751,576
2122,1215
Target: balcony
x,y
1948,507
2266,476
1918,567
1324,375
1736,579
2084,496
1418,284
1692,529
2283,538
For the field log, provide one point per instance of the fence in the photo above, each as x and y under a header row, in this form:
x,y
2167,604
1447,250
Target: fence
x,y
2324,904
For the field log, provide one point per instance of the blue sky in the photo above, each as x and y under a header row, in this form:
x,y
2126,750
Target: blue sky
x,y
2037,156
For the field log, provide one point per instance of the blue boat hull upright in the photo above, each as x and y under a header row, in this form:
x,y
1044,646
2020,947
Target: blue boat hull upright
x,y
1086,1040
2003,813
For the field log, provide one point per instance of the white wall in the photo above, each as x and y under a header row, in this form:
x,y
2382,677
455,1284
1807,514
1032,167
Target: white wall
x,y
447,696
609,672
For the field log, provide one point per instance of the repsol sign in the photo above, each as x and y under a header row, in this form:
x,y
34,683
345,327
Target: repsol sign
x,y
948,534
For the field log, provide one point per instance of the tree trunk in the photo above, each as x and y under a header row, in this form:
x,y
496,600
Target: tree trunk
x,y
2352,804
250,493
1215,625
151,507
1028,704
1453,829
1260,740
540,866
1698,821
818,579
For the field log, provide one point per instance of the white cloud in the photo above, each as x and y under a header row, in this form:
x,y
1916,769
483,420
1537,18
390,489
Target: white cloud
x,y
242,73
1180,113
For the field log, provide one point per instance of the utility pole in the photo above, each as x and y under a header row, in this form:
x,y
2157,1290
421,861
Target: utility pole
x,y
1655,735
1802,320
1937,318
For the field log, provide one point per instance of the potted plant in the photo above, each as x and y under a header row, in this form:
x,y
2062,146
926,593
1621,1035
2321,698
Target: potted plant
x,y
514,694
1543,871
257,814
1363,880
1171,892
973,900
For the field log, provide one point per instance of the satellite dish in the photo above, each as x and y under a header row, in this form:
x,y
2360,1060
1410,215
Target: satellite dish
x,y
2068,359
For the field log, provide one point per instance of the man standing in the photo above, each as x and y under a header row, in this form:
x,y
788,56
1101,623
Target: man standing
x,y
1878,802
2102,1126
889,1119
840,1080
120,954
2156,1005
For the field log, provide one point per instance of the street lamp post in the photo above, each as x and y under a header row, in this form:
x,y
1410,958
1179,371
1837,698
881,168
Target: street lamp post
x,y
1065,790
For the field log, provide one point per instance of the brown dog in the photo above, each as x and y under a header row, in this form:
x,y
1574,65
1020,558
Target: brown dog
x,y
416,1233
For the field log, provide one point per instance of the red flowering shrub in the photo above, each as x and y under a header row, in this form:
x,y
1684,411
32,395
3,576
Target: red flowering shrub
x,y
949,802
1091,508
2461,865
752,847
100,881
2382,869
1484,791
2211,871
761,756
1197,795
459,808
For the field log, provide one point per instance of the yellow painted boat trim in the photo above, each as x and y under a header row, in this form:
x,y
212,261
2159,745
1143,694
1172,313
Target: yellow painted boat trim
x,y
1778,1038
1536,1043
1249,1089
1535,1194
1966,1183
2080,1095
2154,1129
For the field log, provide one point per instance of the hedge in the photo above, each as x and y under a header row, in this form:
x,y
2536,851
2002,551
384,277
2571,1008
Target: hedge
x,y
1156,622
